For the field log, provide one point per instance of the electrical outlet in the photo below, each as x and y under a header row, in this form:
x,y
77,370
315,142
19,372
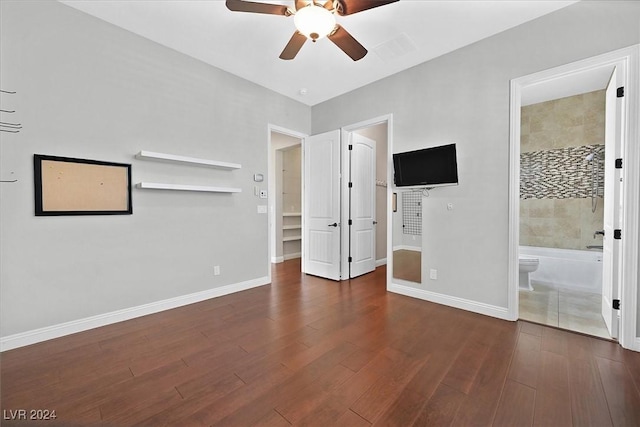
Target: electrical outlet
x,y
433,274
216,270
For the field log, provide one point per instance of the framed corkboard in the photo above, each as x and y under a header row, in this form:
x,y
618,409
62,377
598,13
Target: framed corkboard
x,y
67,186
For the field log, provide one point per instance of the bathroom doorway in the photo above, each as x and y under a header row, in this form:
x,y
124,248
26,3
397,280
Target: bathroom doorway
x,y
567,198
562,198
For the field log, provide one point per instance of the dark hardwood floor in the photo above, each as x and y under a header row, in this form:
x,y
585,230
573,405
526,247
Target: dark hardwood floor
x,y
306,351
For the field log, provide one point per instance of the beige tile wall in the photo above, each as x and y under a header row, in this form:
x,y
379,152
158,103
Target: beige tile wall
x,y
567,122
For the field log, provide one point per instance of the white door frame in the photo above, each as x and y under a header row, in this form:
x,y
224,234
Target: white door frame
x,y
346,135
629,58
271,188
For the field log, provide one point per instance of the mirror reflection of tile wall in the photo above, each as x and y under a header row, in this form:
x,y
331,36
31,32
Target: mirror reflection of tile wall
x,y
555,178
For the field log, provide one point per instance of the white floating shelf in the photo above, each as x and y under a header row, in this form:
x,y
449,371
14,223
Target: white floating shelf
x,y
292,227
291,238
292,214
183,159
181,187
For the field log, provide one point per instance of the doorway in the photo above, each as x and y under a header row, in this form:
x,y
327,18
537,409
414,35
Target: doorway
x,y
613,71
285,194
345,202
562,198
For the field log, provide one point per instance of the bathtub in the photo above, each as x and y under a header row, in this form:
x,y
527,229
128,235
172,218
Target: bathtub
x,y
567,268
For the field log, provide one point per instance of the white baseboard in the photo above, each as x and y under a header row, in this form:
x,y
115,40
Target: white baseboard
x,y
407,248
50,332
636,344
292,256
277,259
382,261
461,303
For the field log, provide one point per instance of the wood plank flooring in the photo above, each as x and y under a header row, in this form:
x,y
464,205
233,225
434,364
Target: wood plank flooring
x,y
305,351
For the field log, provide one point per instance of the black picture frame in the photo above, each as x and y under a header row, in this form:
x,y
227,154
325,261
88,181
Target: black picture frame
x,y
71,186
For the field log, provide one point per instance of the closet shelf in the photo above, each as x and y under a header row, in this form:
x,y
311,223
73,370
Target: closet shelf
x,y
292,227
181,187
184,159
291,214
291,238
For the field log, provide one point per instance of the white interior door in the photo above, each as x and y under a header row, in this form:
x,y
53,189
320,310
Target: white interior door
x,y
362,205
612,209
321,206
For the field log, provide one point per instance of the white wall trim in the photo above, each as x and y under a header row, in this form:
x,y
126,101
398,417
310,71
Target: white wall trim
x,y
514,199
629,335
55,331
292,256
451,301
277,259
407,248
381,261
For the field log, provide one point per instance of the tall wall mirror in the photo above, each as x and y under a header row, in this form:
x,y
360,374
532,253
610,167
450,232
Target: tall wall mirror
x,y
407,235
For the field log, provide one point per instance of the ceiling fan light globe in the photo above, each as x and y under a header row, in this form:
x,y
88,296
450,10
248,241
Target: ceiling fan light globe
x,y
315,22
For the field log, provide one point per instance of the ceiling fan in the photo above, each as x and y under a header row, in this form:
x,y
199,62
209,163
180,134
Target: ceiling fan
x,y
314,19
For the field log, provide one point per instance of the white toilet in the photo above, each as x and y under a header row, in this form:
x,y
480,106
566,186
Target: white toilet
x,y
527,265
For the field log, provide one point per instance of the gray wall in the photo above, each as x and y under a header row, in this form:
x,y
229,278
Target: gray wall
x,y
87,89
463,97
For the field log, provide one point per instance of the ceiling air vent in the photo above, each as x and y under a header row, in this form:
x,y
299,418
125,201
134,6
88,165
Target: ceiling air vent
x,y
395,48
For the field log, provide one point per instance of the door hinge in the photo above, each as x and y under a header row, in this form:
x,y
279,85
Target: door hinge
x,y
350,184
620,92
616,304
350,147
618,163
617,234
350,259
350,222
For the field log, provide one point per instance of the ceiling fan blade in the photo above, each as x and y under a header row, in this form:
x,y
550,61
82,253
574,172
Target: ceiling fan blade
x,y
345,41
349,7
250,6
301,3
293,47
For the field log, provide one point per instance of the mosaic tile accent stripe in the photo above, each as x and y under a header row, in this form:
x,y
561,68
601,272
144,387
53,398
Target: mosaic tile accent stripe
x,y
561,173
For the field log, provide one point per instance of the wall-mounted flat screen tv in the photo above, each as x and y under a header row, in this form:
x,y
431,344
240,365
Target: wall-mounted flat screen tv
x,y
428,167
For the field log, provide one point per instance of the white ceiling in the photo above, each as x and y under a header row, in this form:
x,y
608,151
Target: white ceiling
x,y
398,36
571,84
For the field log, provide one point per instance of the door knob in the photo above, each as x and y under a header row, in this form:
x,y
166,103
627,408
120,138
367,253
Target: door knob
x,y
375,222
335,224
